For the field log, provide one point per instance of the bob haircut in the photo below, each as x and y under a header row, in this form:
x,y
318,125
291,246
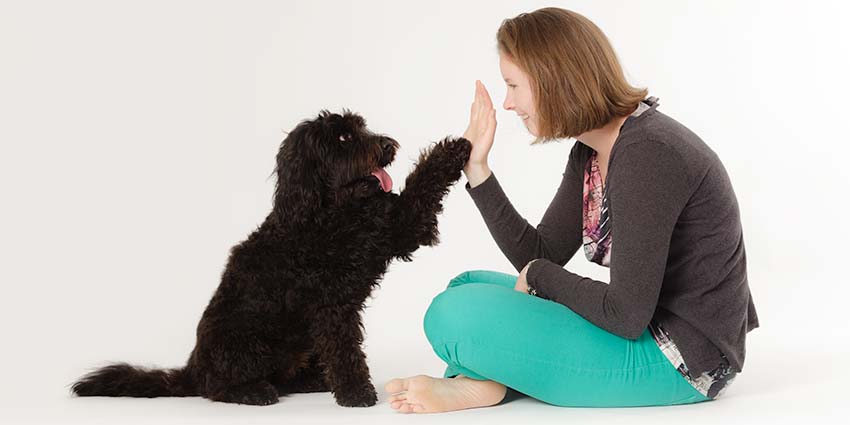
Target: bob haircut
x,y
576,80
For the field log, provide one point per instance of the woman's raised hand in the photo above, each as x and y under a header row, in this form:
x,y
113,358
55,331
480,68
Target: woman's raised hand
x,y
480,133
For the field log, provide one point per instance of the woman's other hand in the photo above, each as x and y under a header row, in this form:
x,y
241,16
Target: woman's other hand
x,y
480,133
522,281
521,284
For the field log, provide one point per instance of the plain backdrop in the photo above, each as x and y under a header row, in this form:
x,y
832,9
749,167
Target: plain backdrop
x,y
138,142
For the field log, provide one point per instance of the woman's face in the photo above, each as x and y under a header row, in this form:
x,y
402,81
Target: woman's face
x,y
519,97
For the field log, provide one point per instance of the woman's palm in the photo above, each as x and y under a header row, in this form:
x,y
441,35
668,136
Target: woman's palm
x,y
482,125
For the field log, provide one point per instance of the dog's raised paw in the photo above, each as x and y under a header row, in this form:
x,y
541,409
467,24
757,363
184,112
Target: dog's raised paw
x,y
453,151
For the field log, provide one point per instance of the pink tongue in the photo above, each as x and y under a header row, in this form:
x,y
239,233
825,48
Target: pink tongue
x,y
386,181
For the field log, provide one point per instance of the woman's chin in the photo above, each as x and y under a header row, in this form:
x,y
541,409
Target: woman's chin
x,y
531,129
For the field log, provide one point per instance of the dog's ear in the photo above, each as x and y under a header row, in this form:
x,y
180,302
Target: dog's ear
x,y
298,193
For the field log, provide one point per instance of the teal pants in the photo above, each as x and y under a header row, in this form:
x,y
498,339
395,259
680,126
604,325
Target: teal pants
x,y
484,329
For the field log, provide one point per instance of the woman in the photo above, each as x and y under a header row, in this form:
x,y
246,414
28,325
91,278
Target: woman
x,y
670,326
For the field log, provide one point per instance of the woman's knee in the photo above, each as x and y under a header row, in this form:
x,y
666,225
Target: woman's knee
x,y
483,276
455,312
441,314
463,278
468,309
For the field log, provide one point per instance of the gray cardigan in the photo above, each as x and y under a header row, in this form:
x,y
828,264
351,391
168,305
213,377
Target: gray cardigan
x,y
678,252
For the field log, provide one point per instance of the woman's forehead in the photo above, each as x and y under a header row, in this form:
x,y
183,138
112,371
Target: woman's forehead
x,y
510,71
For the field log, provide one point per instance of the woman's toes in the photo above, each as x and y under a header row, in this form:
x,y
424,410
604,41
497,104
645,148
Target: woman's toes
x,y
395,385
396,404
406,408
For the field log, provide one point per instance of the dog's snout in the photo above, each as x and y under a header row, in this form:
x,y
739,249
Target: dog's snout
x,y
388,143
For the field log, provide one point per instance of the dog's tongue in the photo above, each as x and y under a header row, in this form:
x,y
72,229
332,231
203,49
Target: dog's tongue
x,y
386,181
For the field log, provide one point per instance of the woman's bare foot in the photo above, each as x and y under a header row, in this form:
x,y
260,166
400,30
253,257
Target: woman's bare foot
x,y
424,394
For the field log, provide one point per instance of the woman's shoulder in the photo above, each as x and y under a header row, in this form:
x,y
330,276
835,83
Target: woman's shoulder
x,y
661,128
579,151
664,135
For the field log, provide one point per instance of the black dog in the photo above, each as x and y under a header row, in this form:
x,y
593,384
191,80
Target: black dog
x,y
286,316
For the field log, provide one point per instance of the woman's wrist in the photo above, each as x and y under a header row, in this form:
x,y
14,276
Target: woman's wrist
x,y
476,173
531,289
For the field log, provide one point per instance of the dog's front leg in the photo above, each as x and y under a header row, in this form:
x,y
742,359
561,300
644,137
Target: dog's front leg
x,y
337,332
414,216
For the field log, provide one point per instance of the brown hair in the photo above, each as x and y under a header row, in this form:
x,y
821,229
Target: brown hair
x,y
576,79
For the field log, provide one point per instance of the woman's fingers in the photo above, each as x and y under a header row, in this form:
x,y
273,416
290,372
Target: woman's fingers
x,y
475,100
480,94
476,103
479,98
482,123
485,96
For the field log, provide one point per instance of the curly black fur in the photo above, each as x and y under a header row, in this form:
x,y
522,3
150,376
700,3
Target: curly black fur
x,y
286,315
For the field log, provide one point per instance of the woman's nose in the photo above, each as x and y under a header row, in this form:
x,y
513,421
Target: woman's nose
x,y
508,104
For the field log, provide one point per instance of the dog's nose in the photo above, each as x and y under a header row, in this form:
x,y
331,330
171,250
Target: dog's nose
x,y
388,143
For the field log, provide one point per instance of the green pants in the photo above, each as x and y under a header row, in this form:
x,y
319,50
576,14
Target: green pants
x,y
484,329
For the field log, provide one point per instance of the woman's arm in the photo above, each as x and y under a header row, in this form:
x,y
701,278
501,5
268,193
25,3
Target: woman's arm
x,y
558,235
649,190
476,173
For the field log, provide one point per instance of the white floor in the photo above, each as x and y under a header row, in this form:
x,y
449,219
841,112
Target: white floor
x,y
780,384
796,368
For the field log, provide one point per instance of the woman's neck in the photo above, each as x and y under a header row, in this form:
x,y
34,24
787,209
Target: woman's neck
x,y
602,139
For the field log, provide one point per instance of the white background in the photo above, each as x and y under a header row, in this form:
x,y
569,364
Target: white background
x,y
138,139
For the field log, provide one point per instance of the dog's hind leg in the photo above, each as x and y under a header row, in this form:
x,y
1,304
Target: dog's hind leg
x,y
238,368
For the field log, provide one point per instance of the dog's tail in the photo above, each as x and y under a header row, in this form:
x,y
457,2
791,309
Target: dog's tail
x,y
124,380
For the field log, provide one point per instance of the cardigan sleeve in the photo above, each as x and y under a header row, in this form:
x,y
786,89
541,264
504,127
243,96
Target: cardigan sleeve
x,y
557,236
648,190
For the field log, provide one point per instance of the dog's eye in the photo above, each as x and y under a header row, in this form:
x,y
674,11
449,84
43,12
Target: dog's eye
x,y
345,138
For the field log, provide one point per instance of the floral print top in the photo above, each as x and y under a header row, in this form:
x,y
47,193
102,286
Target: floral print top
x,y
597,225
